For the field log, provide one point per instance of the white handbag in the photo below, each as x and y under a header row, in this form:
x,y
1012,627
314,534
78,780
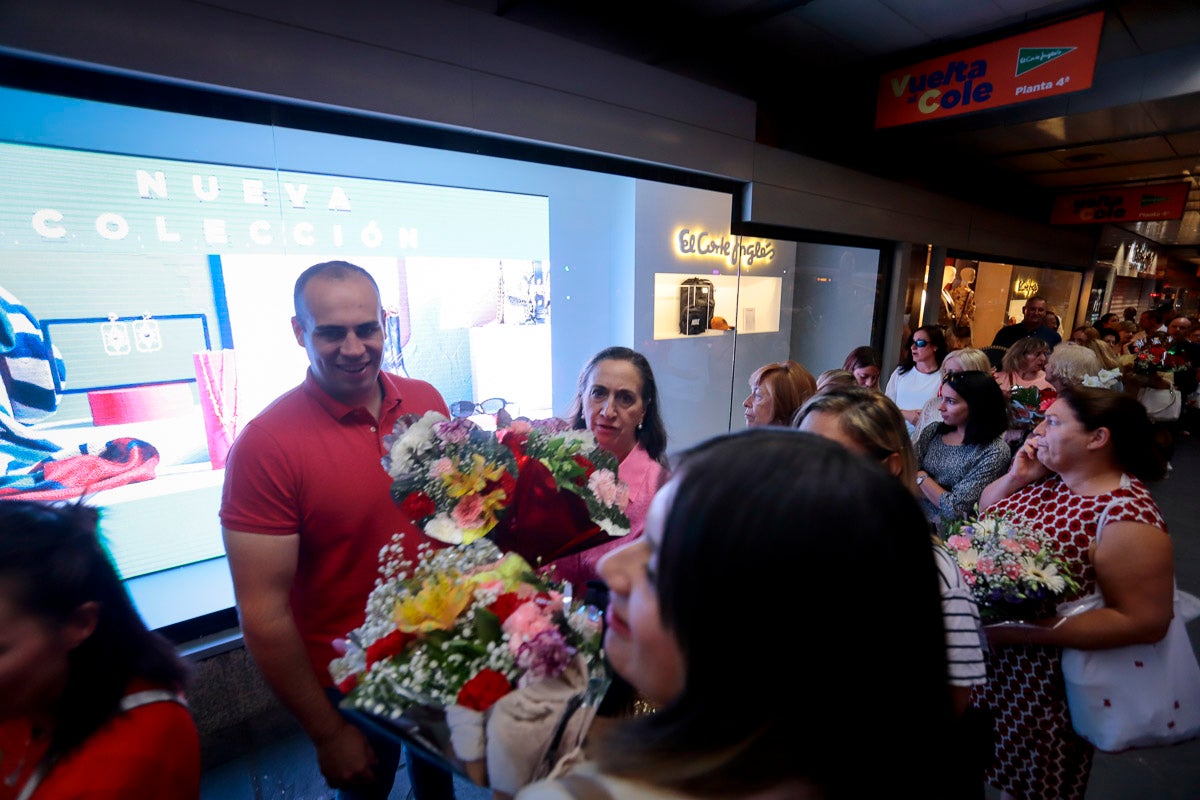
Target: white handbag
x,y
1162,405
1141,695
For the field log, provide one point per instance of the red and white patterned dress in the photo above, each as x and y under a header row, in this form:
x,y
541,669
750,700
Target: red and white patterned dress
x,y
1038,753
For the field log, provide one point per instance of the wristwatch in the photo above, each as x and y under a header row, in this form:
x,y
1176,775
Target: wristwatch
x,y
921,478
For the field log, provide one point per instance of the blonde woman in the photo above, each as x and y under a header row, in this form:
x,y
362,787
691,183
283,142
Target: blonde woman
x,y
1069,364
869,424
1024,365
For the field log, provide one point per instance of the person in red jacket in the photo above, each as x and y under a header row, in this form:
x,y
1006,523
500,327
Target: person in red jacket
x,y
90,700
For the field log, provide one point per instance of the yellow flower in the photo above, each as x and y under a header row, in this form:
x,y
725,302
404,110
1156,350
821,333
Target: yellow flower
x,y
473,477
435,608
509,570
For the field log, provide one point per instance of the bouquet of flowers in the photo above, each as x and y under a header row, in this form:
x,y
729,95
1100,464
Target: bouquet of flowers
x,y
535,488
1156,355
1012,570
477,659
450,477
1028,404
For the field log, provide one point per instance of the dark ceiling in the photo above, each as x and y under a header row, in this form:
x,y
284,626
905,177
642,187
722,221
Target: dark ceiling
x,y
812,66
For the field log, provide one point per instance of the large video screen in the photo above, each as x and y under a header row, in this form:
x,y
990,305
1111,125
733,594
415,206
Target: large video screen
x,y
146,317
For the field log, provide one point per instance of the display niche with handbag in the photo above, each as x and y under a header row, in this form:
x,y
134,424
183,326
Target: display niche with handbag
x,y
696,304
1141,695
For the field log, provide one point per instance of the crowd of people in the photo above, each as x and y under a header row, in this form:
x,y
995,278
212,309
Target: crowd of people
x,y
733,697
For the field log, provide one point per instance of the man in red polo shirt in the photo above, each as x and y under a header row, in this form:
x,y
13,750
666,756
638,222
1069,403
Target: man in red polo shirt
x,y
305,511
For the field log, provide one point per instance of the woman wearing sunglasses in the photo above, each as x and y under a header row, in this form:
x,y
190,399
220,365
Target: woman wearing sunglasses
x,y
918,377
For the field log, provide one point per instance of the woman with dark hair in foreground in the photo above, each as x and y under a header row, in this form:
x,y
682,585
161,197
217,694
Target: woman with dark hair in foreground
x,y
750,614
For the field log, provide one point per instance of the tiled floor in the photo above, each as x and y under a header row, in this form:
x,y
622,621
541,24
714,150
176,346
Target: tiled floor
x,y
285,769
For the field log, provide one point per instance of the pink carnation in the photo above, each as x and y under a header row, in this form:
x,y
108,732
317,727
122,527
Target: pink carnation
x,y
604,485
469,511
441,468
957,542
986,566
524,624
1012,571
1012,546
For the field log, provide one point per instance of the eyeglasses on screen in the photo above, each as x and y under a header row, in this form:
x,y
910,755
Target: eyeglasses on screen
x,y
465,408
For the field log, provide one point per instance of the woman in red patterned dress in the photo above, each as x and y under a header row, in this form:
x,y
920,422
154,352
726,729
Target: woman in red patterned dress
x,y
1084,463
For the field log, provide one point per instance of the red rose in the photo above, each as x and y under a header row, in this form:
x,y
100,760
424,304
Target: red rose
x,y
515,442
417,506
505,605
482,691
588,469
507,483
391,645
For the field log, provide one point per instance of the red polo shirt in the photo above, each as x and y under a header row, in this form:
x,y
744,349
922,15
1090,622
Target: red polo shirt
x,y
310,465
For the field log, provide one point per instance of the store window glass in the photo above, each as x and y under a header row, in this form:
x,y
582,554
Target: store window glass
x,y
147,260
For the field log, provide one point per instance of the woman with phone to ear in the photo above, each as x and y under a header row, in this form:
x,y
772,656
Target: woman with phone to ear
x,y
1083,465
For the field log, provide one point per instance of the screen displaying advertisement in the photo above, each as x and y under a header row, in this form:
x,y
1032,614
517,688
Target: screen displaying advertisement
x,y
150,303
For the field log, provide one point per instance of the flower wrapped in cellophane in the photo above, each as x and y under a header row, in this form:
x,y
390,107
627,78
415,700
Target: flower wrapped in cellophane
x,y
1014,571
1027,406
534,488
476,659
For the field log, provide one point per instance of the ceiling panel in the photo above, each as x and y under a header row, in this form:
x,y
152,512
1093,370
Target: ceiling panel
x,y
1140,122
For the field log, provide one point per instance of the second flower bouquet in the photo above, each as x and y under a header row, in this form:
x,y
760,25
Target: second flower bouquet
x,y
476,659
1012,570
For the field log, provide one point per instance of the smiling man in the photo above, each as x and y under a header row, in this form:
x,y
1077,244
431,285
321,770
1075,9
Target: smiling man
x,y
305,510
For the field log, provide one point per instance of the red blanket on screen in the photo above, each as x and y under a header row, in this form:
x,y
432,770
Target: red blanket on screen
x,y
123,461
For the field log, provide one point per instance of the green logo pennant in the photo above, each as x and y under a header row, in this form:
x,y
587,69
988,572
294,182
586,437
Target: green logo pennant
x,y
1030,58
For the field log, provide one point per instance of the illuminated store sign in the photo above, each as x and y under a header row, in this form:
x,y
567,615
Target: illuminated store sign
x,y
1025,287
699,243
1130,204
1049,61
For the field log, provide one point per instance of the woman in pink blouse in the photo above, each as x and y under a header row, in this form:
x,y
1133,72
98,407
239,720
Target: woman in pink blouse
x,y
617,401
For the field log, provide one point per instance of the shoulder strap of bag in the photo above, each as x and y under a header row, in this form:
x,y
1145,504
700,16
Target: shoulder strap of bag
x,y
584,787
128,702
138,699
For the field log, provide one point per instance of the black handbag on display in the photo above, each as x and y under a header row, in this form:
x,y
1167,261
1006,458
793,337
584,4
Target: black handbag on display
x,y
696,303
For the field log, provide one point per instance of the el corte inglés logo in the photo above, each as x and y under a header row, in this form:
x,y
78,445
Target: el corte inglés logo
x,y
1030,58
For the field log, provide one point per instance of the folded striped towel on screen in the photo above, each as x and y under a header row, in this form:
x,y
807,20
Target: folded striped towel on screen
x,y
27,365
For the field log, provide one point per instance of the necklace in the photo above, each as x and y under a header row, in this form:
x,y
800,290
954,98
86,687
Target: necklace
x,y
220,393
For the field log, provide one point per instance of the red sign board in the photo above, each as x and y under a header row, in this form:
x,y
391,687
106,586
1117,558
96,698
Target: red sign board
x,y
1053,60
1125,204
